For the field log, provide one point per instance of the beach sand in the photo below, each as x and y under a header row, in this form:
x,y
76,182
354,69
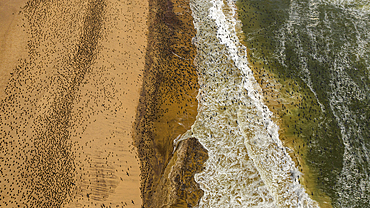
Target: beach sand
x,y
71,74
13,39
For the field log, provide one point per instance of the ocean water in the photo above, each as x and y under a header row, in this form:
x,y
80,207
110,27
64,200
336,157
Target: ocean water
x,y
317,53
324,46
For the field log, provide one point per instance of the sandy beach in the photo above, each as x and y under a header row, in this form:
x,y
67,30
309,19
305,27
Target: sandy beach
x,y
12,39
71,74
93,94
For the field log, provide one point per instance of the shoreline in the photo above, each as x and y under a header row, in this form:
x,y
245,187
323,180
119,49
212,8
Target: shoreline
x,y
136,94
281,104
285,104
288,138
167,109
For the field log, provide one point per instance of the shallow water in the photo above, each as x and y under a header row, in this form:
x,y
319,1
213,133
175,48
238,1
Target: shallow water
x,y
248,165
324,46
317,55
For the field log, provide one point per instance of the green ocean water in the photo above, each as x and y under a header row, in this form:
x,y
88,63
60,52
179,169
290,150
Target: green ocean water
x,y
324,47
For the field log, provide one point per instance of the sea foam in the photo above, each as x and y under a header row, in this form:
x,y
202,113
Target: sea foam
x,y
248,166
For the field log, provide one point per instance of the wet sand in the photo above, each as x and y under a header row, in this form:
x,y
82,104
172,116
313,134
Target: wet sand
x,y
168,108
71,74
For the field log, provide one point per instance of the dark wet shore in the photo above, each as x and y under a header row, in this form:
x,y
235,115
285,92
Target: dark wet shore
x,y
168,108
